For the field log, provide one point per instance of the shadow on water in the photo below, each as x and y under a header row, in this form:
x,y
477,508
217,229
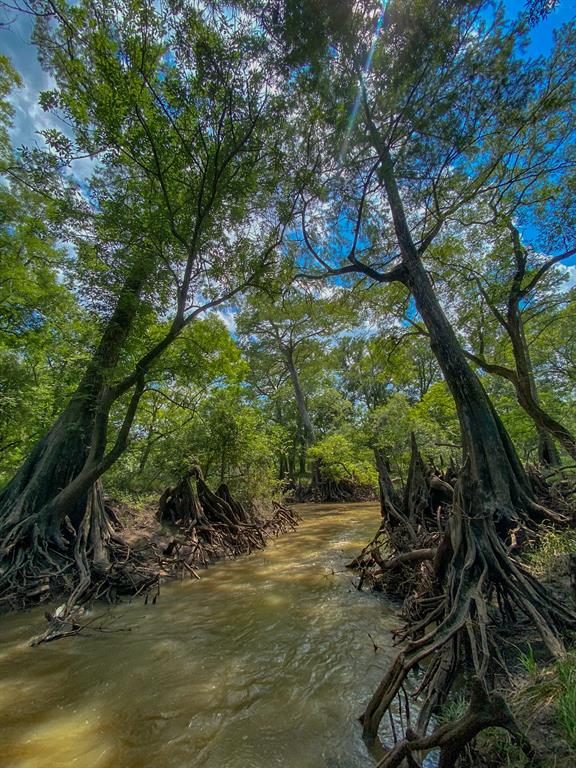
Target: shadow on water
x,y
264,662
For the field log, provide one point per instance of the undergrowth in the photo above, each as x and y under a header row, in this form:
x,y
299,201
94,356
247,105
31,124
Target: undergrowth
x,y
552,544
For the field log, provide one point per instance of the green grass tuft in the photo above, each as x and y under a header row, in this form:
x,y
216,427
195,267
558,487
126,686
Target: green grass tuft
x,y
453,709
528,661
566,703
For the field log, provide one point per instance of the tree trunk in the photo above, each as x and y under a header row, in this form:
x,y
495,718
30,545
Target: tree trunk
x,y
527,394
547,427
547,452
502,481
523,376
526,389
305,420
302,457
388,496
55,481
492,496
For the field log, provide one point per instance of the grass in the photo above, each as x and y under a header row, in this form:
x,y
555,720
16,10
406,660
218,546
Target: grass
x,y
546,701
566,703
501,751
553,687
551,545
550,691
453,709
528,661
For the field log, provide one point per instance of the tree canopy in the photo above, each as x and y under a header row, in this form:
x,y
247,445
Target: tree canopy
x,y
274,247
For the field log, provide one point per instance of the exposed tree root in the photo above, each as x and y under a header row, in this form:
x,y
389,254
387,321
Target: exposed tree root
x,y
484,711
324,489
214,525
461,587
96,563
91,563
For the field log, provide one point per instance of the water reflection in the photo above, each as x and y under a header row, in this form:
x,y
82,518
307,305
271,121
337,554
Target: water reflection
x,y
264,662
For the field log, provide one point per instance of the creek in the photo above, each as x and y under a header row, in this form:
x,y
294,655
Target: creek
x,y
266,661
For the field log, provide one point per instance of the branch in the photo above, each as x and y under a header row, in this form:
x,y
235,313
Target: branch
x,y
544,268
396,274
497,370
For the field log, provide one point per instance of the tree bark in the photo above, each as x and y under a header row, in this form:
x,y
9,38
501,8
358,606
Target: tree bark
x,y
526,389
528,399
388,496
77,438
502,480
493,495
305,420
522,377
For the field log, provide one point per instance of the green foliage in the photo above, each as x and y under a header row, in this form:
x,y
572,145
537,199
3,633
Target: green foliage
x,y
528,661
198,161
454,709
553,688
566,703
552,545
342,458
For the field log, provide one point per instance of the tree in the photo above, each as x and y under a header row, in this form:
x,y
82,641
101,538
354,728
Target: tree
x,y
539,9
185,177
288,329
515,281
520,305
444,107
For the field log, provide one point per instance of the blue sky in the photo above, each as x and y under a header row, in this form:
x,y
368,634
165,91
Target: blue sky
x,y
543,34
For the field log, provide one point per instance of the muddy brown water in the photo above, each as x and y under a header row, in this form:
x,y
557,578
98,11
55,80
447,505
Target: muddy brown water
x,y
267,661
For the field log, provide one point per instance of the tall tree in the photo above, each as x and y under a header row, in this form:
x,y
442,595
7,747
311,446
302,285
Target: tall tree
x,y
443,106
289,327
513,302
179,130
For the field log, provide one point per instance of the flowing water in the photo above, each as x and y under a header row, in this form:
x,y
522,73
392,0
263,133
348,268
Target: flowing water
x,y
267,661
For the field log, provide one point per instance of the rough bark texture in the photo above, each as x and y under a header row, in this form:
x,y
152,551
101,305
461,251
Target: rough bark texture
x,y
487,448
456,591
484,711
461,587
79,436
54,528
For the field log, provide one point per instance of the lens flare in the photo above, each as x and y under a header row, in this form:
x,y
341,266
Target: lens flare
x,y
367,66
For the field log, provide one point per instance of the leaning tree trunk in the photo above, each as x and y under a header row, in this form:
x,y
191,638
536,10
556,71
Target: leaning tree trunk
x,y
549,429
493,496
487,447
527,393
44,504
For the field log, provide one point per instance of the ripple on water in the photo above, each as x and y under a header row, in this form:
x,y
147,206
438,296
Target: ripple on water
x,y
264,662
